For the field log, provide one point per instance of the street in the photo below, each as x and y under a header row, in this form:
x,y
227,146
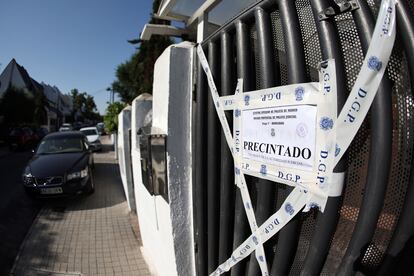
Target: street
x,y
17,211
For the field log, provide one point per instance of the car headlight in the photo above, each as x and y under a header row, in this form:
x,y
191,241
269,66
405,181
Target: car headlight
x,y
80,174
28,179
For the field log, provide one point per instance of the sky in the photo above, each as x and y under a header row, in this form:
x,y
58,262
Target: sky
x,y
71,43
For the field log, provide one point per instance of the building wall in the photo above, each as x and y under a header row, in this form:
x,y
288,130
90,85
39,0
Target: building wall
x,y
166,228
11,76
141,107
124,155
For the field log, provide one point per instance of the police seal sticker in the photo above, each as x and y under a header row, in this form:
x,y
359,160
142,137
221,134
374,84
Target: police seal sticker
x,y
302,130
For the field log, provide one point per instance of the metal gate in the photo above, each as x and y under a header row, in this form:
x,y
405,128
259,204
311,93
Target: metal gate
x,y
280,42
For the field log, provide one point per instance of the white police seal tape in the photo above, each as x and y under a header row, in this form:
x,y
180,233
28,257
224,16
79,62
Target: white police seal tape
x,y
366,86
292,205
241,183
321,95
350,120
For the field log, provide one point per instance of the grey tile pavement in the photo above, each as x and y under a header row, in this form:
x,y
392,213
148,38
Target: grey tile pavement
x,y
85,235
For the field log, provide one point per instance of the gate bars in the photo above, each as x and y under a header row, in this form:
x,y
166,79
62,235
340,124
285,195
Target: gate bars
x,y
326,222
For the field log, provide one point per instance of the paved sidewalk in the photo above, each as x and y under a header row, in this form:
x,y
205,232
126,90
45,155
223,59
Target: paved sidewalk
x,y
85,235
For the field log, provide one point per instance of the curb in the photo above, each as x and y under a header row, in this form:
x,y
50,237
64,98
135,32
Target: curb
x,y
21,247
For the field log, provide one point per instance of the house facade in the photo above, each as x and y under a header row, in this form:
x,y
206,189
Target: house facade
x,y
56,106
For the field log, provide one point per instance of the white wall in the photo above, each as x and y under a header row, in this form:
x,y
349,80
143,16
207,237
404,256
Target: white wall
x,y
166,228
124,155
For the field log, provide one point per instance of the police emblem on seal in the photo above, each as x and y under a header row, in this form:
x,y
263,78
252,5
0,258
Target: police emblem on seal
x,y
299,92
237,112
263,169
237,170
313,205
374,63
246,100
326,123
255,240
302,130
337,150
272,132
289,208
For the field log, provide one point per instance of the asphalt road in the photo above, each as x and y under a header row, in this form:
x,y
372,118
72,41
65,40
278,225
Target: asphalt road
x,y
17,211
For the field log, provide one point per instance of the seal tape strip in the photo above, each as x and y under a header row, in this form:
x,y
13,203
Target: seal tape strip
x,y
239,177
365,88
241,183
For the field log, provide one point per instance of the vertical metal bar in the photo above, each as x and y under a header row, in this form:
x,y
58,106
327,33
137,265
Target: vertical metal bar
x,y
264,49
200,212
326,222
244,71
379,160
213,166
227,187
405,226
244,56
268,74
296,65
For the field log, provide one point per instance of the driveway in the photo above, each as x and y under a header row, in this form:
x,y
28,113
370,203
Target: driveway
x,y
85,235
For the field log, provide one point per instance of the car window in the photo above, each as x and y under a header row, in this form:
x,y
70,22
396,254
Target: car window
x,y
88,132
61,145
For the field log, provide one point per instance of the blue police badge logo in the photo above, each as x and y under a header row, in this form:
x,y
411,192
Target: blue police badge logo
x,y
289,208
256,242
261,259
374,63
237,171
299,92
247,205
263,169
272,132
237,112
326,123
337,150
313,205
246,100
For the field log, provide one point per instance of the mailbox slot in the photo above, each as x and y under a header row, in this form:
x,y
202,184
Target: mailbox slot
x,y
153,161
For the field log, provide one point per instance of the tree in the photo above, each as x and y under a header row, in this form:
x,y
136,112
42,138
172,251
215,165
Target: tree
x,y
111,116
135,76
22,107
84,106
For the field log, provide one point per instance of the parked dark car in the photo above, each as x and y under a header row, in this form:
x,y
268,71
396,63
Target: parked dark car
x,y
40,132
62,165
22,138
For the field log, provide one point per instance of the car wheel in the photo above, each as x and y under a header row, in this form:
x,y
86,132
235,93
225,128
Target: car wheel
x,y
91,185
